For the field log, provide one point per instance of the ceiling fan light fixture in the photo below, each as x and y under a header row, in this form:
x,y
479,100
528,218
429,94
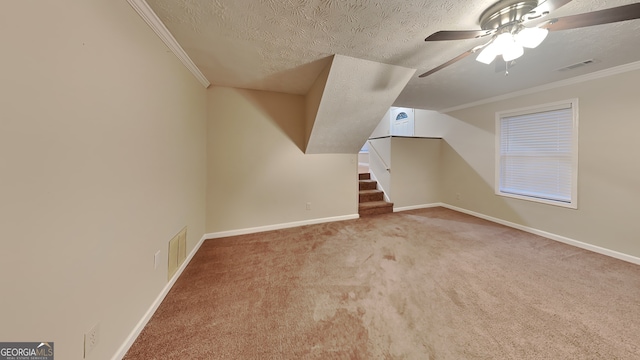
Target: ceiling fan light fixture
x,y
513,52
531,37
487,54
506,18
504,44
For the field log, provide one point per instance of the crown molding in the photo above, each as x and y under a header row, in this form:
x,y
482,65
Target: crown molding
x,y
144,10
574,80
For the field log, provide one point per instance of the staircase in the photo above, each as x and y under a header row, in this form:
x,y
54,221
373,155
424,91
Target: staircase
x,y
371,200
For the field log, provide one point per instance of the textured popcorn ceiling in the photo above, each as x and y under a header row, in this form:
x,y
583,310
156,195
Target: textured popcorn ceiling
x,y
350,110
279,45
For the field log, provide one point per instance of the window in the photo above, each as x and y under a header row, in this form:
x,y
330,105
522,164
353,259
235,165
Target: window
x,y
537,153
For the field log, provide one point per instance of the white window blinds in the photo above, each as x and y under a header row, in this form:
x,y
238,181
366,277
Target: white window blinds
x,y
536,154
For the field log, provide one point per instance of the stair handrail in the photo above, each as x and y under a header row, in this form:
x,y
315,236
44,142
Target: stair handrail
x,y
379,156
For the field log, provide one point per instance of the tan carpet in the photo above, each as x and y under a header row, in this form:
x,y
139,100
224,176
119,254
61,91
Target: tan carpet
x,y
423,284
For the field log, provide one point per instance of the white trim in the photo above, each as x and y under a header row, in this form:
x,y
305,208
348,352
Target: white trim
x,y
415,207
553,106
144,10
574,80
122,351
551,236
257,229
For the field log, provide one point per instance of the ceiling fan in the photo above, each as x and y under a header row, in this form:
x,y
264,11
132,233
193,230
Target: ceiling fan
x,y
506,19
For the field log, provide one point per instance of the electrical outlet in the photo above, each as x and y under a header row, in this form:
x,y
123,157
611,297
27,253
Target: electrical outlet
x,y
91,339
156,260
308,206
457,196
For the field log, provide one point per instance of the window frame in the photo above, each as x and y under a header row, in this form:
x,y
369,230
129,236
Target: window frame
x,y
573,204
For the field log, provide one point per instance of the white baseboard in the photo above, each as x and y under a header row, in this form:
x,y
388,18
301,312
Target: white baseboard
x,y
156,303
154,306
415,207
548,235
257,229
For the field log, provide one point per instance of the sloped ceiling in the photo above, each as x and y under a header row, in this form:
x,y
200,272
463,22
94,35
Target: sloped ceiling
x,y
356,94
278,45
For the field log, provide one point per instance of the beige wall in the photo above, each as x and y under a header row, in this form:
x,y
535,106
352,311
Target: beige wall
x,y
415,171
258,176
608,178
429,123
383,128
415,177
102,161
363,158
313,100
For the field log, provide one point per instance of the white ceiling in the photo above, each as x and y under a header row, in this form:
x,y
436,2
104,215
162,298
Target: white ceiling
x,y
282,45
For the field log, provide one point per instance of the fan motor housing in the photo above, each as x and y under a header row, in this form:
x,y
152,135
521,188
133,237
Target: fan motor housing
x,y
505,12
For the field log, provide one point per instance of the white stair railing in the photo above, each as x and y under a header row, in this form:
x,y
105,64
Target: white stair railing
x,y
376,166
387,167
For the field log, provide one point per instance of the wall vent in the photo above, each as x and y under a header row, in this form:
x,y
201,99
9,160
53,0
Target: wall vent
x,y
576,65
177,252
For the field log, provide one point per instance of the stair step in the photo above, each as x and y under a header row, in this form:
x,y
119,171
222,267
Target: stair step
x,y
370,195
375,208
364,176
367,184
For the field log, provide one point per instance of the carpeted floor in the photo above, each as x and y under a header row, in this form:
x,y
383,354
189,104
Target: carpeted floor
x,y
424,284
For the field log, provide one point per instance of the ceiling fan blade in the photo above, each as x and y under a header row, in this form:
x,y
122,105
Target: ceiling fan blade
x,y
458,35
606,16
455,59
544,9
